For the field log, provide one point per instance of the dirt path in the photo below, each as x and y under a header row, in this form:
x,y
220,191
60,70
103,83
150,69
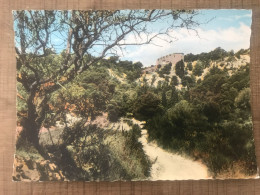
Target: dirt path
x,y
169,166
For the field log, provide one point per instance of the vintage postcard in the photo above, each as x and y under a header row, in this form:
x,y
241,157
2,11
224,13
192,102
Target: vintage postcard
x,y
133,95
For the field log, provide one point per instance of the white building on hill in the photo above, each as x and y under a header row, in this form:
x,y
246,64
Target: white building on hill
x,y
173,58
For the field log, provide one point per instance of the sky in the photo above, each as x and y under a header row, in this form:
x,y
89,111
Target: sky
x,y
228,29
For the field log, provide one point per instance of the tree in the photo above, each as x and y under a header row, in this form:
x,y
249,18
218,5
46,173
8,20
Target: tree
x,y
164,99
165,69
179,68
198,69
146,106
189,66
231,53
218,53
87,95
174,96
243,99
187,81
190,57
43,69
153,79
174,81
114,112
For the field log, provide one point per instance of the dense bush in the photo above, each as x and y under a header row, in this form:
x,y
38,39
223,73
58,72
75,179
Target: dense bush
x,y
189,66
179,68
146,106
211,120
216,54
166,69
89,153
198,69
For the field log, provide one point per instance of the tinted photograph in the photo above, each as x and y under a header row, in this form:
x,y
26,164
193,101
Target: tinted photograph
x,y
109,95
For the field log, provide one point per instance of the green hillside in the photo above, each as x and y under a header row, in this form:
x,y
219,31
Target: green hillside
x,y
199,107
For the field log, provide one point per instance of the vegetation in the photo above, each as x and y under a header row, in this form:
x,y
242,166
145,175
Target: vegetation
x,y
165,70
179,68
216,54
210,120
198,69
83,151
63,92
41,72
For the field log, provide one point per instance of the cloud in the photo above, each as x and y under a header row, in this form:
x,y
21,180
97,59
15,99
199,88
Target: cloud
x,y
188,42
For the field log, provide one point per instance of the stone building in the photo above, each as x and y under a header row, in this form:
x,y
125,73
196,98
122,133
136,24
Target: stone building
x,y
173,58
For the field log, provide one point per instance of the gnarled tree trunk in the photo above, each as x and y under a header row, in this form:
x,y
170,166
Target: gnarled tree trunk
x,y
33,122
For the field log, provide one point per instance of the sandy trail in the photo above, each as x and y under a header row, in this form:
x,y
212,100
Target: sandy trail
x,y
166,166
169,166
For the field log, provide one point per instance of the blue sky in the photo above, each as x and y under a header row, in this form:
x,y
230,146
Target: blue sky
x,y
225,18
229,29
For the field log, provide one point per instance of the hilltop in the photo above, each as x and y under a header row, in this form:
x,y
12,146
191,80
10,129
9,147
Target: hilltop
x,y
195,67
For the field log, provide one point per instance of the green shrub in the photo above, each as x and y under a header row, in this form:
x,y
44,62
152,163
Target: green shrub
x,y
198,69
179,68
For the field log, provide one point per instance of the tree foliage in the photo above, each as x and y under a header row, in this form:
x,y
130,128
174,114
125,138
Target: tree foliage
x,y
198,69
210,120
72,76
166,69
216,54
85,38
146,106
179,68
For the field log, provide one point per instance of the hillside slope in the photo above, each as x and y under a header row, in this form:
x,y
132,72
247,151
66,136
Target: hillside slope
x,y
231,64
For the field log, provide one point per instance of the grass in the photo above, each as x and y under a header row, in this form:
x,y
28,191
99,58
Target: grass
x,y
129,152
103,155
27,151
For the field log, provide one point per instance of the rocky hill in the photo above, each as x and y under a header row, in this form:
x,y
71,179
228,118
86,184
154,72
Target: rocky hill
x,y
195,69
